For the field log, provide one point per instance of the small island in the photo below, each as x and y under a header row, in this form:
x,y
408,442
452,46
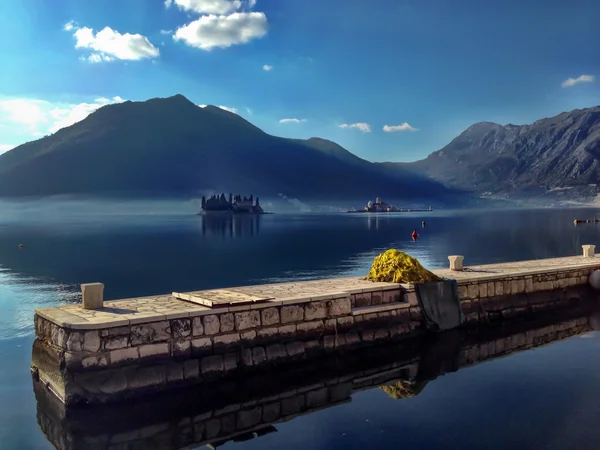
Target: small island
x,y
219,204
380,206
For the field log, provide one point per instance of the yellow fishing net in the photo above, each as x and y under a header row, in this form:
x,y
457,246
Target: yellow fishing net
x,y
403,389
395,266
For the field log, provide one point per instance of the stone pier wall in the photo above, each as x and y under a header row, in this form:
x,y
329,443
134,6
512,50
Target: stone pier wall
x,y
242,417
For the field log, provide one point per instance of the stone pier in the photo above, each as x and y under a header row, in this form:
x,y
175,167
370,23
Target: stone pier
x,y
103,351
254,406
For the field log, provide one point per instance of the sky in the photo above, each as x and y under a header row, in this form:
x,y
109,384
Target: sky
x,y
390,80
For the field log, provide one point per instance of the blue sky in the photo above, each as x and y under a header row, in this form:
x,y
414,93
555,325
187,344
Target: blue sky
x,y
344,69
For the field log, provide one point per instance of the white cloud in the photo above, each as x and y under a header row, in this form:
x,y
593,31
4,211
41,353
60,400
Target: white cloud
x,y
404,127
249,111
39,117
209,32
292,120
6,147
166,31
209,6
108,44
168,3
364,127
267,67
580,79
226,108
70,25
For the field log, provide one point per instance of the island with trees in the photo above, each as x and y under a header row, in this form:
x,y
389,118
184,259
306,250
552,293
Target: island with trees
x,y
234,204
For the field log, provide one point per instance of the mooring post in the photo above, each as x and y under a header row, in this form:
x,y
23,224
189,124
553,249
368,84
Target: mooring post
x,y
92,295
456,262
589,251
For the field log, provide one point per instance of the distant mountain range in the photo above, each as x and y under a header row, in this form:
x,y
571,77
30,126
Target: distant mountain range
x,y
170,146
553,158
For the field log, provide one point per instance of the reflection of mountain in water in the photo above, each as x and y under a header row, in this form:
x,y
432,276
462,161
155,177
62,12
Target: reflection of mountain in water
x,y
231,226
247,408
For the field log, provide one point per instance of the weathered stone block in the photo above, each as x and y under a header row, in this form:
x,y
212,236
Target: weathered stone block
x,y
191,369
316,398
247,357
339,307
226,339
352,338
182,348
75,341
174,372
330,325
181,328
491,289
115,342
123,354
275,351
462,291
360,300
392,296
499,288
247,319
94,361
91,341
520,285
316,325
59,336
160,349
376,298
345,322
201,344
340,392
258,355
230,361
329,342
473,290
271,412
117,331
295,348
287,330
315,310
309,345
529,286
212,363
211,324
148,333
483,293
292,313
267,332
382,334
92,295
227,322
292,405
197,327
248,418
212,428
270,316
248,335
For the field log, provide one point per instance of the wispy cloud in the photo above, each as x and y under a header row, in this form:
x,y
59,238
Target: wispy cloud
x,y
580,79
292,120
404,127
166,31
267,68
362,126
226,108
6,147
38,117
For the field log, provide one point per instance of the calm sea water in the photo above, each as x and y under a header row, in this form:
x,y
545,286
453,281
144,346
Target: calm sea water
x,y
544,398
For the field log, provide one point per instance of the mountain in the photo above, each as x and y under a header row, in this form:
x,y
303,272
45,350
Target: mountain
x,y
170,146
554,157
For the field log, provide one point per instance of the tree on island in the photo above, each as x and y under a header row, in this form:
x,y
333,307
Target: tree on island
x,y
230,198
257,204
203,202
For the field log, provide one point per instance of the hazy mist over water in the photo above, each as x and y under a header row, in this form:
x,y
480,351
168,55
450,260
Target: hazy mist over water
x,y
154,247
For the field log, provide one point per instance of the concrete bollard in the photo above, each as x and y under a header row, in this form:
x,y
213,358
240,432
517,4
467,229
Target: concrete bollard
x,y
456,262
92,295
589,251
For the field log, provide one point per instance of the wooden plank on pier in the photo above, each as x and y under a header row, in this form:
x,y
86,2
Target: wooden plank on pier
x,y
219,298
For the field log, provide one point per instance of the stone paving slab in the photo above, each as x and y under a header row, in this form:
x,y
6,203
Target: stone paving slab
x,y
156,308
219,298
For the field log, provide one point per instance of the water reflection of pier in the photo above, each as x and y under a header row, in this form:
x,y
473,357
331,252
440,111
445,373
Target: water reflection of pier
x,y
238,410
231,225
